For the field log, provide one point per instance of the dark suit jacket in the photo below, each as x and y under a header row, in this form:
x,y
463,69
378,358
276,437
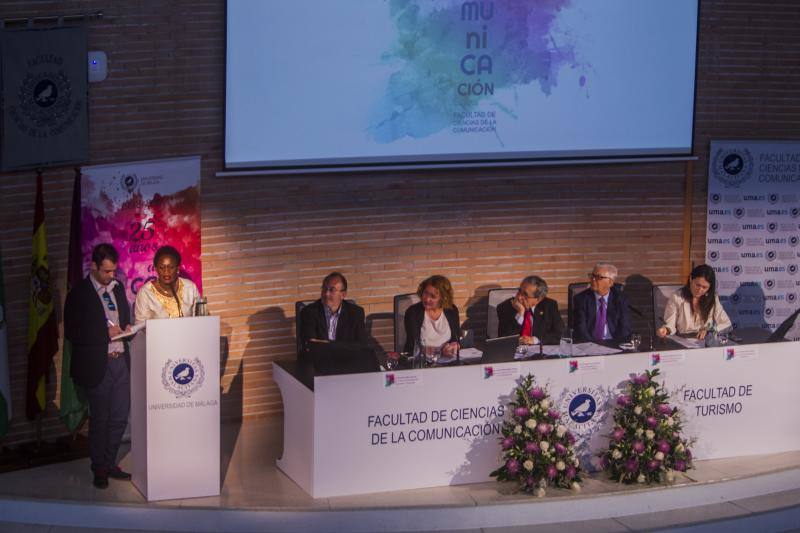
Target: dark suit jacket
x,y
86,328
349,328
617,316
547,323
414,317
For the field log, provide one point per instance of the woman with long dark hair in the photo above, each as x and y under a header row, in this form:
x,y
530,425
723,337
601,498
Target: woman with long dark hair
x,y
695,308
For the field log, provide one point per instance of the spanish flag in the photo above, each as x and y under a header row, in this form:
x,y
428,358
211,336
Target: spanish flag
x,y
42,328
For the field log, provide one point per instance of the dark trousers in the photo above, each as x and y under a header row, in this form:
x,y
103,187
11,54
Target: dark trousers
x,y
109,404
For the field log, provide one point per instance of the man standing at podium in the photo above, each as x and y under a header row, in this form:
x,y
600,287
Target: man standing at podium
x,y
95,311
332,318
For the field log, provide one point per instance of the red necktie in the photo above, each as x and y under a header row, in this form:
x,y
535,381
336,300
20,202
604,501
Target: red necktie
x,y
527,324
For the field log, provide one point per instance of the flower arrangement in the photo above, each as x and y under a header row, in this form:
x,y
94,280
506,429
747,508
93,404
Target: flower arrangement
x,y
646,444
537,451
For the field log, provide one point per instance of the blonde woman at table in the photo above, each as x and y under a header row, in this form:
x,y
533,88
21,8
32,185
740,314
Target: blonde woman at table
x,y
167,296
433,321
695,307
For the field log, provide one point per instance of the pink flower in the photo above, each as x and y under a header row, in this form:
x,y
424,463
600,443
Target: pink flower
x,y
553,414
641,379
665,409
638,446
570,437
624,400
680,465
653,465
532,448
512,465
570,472
551,472
663,446
618,434
560,449
529,481
631,465
536,393
521,412
543,428
507,443
651,421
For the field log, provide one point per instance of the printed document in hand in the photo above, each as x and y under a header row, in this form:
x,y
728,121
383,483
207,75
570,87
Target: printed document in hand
x,y
125,334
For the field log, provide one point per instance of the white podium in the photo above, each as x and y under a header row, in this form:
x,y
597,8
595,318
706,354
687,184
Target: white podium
x,y
175,421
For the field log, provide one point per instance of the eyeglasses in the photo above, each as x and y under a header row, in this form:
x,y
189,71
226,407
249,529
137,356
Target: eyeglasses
x,y
597,277
109,302
333,290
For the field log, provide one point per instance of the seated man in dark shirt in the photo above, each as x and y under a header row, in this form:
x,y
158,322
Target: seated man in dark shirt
x,y
530,314
332,318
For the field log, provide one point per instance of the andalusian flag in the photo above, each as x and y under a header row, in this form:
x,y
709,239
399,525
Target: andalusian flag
x,y
5,386
72,406
42,328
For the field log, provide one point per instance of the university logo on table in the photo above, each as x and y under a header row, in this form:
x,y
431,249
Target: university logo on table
x,y
732,167
183,377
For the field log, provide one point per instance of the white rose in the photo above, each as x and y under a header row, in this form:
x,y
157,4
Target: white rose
x,y
659,456
517,429
616,454
544,445
670,422
561,431
639,432
544,404
540,492
530,423
576,487
679,448
542,483
560,466
670,476
649,434
641,478
637,410
576,461
650,392
528,465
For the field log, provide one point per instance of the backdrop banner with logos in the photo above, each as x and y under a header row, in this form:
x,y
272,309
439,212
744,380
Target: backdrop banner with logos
x,y
753,230
139,207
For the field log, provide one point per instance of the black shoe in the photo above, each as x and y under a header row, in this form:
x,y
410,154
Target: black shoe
x,y
118,473
100,482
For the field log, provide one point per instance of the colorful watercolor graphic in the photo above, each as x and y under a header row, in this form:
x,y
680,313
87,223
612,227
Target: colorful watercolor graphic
x,y
452,58
139,207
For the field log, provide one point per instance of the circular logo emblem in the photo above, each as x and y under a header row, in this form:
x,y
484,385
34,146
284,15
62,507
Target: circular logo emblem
x,y
769,284
738,212
582,408
772,227
183,377
795,212
45,98
735,298
713,227
737,270
793,240
732,167
715,198
771,255
773,198
713,255
737,241
792,269
768,312
791,297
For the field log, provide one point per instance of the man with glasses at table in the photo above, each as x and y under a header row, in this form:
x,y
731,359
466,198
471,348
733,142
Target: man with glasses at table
x,y
95,311
332,318
530,314
601,313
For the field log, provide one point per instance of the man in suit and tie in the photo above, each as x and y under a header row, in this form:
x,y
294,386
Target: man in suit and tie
x,y
331,318
530,314
95,311
601,313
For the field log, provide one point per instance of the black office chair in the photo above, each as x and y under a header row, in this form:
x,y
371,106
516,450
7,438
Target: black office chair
x,y
298,306
401,303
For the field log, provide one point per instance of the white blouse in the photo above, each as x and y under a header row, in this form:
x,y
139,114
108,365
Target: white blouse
x,y
435,333
679,318
152,304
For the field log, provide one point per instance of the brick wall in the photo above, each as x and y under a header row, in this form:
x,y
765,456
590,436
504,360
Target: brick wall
x,y
268,242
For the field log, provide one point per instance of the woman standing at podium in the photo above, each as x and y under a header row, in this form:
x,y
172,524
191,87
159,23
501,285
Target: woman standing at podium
x,y
167,296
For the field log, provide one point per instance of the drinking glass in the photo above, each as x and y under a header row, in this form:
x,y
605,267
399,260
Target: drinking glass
x,y
565,346
636,340
432,355
392,360
723,338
